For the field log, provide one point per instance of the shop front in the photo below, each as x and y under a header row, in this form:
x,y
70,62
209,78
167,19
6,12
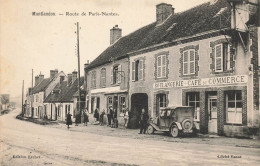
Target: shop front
x,y
220,103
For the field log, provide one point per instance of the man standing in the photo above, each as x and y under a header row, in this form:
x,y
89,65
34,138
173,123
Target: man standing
x,y
143,121
109,111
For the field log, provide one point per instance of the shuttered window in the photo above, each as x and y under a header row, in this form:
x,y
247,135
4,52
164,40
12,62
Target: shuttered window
x,y
219,58
111,75
192,61
185,62
161,66
103,78
140,74
133,71
119,74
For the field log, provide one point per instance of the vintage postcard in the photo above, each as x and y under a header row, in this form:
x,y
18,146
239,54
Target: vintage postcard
x,y
129,82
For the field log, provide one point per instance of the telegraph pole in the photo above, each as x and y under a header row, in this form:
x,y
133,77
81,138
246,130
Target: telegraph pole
x,y
32,96
78,69
22,99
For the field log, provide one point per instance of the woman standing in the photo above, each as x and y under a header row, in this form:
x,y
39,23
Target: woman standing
x,y
86,118
126,117
69,121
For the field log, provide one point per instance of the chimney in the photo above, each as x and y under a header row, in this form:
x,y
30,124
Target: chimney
x,y
69,78
62,79
52,74
41,77
36,80
115,34
74,76
163,11
86,64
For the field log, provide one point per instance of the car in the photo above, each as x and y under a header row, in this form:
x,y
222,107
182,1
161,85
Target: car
x,y
175,120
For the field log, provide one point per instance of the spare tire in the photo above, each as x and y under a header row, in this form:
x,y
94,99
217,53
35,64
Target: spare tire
x,y
187,124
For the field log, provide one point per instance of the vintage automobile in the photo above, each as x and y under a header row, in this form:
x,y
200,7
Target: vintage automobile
x,y
174,120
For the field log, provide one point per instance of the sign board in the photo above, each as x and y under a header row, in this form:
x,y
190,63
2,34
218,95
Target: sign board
x,y
214,81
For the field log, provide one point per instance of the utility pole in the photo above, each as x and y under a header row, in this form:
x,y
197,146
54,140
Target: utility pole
x,y
78,69
32,96
22,99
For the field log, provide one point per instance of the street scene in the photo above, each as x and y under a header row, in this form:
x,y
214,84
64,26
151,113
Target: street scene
x,y
130,82
25,143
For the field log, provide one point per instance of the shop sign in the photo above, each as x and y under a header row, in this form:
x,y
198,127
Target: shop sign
x,y
214,81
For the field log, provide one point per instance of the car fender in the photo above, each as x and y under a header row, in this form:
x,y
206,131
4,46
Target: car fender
x,y
178,125
154,126
197,126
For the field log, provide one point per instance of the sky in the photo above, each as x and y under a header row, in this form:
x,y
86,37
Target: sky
x,y
44,43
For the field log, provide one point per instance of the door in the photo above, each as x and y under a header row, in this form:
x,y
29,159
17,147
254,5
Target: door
x,y
212,112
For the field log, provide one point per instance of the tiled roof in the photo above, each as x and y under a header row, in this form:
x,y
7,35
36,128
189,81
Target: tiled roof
x,y
66,92
202,18
42,85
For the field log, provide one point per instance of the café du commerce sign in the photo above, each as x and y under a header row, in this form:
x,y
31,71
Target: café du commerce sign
x,y
214,81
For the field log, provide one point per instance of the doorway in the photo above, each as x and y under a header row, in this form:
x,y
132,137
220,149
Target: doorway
x,y
138,102
212,115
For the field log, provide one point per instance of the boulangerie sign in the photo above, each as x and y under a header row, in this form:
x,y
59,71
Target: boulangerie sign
x,y
215,81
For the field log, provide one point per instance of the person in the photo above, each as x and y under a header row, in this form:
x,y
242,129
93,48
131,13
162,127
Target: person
x,y
114,119
109,112
126,117
101,119
69,122
143,121
86,117
96,114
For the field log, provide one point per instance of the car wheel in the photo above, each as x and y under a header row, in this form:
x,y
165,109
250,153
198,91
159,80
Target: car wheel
x,y
174,131
150,129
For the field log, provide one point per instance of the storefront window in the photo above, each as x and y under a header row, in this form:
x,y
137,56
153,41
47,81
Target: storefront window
x,y
161,101
122,103
193,99
234,107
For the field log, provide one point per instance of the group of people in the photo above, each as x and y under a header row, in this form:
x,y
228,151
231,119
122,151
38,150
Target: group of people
x,y
112,118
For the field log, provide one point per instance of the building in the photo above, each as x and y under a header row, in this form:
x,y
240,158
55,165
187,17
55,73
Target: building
x,y
61,100
107,76
42,88
206,57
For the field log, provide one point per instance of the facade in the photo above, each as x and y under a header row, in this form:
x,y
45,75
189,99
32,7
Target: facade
x,y
36,95
214,70
61,100
106,78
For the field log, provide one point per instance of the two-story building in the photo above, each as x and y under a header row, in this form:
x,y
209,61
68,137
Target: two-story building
x,y
43,87
107,76
61,99
205,57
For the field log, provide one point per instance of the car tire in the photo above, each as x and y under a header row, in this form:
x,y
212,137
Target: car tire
x,y
174,131
150,129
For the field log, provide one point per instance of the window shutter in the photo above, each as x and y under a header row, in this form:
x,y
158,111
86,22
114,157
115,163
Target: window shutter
x,y
133,71
192,62
164,66
111,75
159,66
140,69
119,74
219,58
185,62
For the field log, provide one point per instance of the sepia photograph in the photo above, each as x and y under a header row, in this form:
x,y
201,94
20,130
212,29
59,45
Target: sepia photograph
x,y
129,82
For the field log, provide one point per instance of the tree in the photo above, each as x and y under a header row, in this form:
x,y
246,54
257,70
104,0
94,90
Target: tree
x,y
5,99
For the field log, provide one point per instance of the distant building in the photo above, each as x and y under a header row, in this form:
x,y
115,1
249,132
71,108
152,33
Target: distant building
x,y
61,100
42,88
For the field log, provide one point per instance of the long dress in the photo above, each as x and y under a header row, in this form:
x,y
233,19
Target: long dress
x,y
69,121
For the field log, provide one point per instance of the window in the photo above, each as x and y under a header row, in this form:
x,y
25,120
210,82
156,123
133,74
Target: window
x,y
137,70
161,66
234,107
37,98
222,57
93,79
189,62
161,101
116,74
122,103
193,99
103,78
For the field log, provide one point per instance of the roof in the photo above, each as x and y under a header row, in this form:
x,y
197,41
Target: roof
x,y
202,18
42,85
66,92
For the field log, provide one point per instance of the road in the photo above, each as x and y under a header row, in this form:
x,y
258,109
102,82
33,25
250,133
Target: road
x,y
25,143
